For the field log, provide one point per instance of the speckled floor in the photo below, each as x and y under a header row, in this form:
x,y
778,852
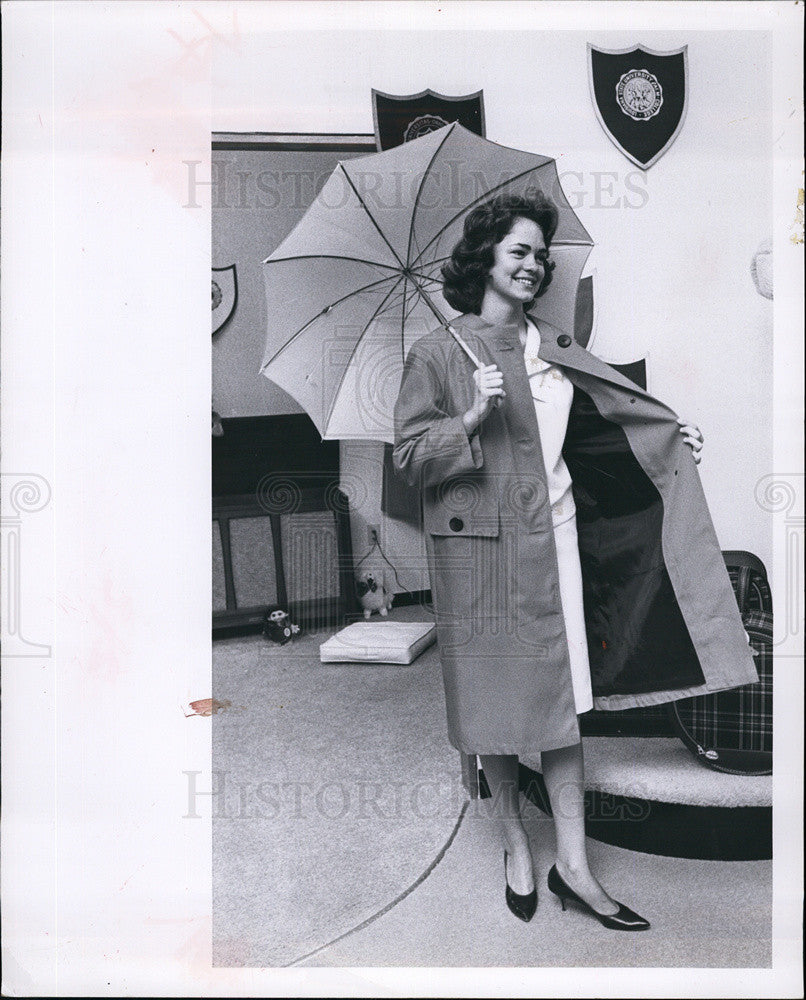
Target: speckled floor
x,y
703,914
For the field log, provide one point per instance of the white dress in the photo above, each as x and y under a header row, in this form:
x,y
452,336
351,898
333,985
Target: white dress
x,y
552,394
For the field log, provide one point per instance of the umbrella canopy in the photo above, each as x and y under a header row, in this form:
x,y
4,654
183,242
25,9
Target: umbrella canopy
x,y
357,281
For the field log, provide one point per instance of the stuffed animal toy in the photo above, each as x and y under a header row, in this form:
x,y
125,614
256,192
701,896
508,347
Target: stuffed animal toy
x,y
277,626
372,594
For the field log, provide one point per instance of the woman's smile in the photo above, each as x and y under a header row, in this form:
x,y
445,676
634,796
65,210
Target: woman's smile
x,y
519,264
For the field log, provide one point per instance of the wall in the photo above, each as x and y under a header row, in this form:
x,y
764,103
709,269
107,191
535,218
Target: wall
x,y
673,245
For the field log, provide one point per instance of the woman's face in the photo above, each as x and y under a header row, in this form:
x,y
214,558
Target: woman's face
x,y
518,264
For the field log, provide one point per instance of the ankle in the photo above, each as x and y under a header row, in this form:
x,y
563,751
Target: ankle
x,y
516,844
574,870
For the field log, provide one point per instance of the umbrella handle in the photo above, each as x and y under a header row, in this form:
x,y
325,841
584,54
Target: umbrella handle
x,y
496,400
455,334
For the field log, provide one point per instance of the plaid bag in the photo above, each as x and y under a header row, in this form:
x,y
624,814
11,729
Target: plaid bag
x,y
731,731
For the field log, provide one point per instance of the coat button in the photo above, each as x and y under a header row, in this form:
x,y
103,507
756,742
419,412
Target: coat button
x,y
456,524
564,340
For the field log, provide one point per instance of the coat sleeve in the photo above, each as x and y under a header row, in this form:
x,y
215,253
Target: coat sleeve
x,y
430,445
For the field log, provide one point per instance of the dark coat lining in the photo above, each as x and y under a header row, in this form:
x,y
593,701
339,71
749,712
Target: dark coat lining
x,y
637,637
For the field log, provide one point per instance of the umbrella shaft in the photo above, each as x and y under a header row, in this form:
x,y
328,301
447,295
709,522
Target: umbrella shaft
x,y
427,299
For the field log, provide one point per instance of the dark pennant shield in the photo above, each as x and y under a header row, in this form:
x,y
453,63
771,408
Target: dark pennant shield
x,y
401,119
224,295
640,98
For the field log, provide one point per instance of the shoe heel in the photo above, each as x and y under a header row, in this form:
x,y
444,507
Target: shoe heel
x,y
562,902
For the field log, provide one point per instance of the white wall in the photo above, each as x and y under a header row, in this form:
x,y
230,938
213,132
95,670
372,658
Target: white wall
x,y
673,245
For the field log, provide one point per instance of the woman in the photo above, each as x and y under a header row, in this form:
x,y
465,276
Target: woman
x,y
500,515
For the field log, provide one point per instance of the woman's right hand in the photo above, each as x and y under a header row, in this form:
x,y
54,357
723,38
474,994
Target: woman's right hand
x,y
489,384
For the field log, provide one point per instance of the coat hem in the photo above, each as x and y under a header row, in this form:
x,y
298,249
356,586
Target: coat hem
x,y
617,702
510,751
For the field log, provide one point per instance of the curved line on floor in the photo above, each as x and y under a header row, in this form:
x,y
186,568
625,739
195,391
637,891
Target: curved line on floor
x,y
398,899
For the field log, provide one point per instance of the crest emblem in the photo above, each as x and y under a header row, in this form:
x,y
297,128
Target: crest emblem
x,y
640,98
224,295
402,119
639,94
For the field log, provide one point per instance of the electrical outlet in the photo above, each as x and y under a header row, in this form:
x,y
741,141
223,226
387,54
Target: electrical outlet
x,y
373,534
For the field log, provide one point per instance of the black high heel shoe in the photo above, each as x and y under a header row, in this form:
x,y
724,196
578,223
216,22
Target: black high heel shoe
x,y
624,919
523,906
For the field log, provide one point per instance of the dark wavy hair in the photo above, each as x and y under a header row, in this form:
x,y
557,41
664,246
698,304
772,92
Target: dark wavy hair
x,y
465,274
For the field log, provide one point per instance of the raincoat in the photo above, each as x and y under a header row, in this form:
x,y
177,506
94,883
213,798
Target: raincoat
x,y
661,618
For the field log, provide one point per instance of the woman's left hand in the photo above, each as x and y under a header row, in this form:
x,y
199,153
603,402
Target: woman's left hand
x,y
693,438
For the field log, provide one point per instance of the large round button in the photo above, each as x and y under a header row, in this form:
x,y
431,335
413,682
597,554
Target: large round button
x,y
564,340
456,524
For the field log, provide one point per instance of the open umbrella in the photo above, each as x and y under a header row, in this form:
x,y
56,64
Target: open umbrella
x,y
357,281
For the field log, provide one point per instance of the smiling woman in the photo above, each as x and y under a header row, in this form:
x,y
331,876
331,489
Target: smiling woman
x,y
538,617
520,263
503,253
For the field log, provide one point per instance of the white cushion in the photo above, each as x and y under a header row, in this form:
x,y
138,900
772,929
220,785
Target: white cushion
x,y
378,642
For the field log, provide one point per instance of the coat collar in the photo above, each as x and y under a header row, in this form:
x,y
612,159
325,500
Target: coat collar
x,y
556,347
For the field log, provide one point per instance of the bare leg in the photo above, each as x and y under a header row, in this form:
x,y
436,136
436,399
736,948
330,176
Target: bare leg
x,y
501,773
564,775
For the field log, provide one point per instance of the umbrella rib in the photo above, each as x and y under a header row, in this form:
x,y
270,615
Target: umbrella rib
x,y
327,309
433,281
363,204
405,315
403,319
448,132
330,256
392,301
414,303
481,198
355,348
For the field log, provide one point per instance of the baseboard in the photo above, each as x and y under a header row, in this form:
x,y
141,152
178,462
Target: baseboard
x,y
415,597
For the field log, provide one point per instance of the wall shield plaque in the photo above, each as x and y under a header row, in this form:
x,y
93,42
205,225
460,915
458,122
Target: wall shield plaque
x,y
400,119
224,295
640,98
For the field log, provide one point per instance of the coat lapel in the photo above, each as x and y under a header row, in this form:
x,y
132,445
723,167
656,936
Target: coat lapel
x,y
575,356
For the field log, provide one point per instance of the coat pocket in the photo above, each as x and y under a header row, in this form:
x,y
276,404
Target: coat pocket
x,y
461,507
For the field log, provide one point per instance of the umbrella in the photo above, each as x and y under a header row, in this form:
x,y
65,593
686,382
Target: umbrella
x,y
357,281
